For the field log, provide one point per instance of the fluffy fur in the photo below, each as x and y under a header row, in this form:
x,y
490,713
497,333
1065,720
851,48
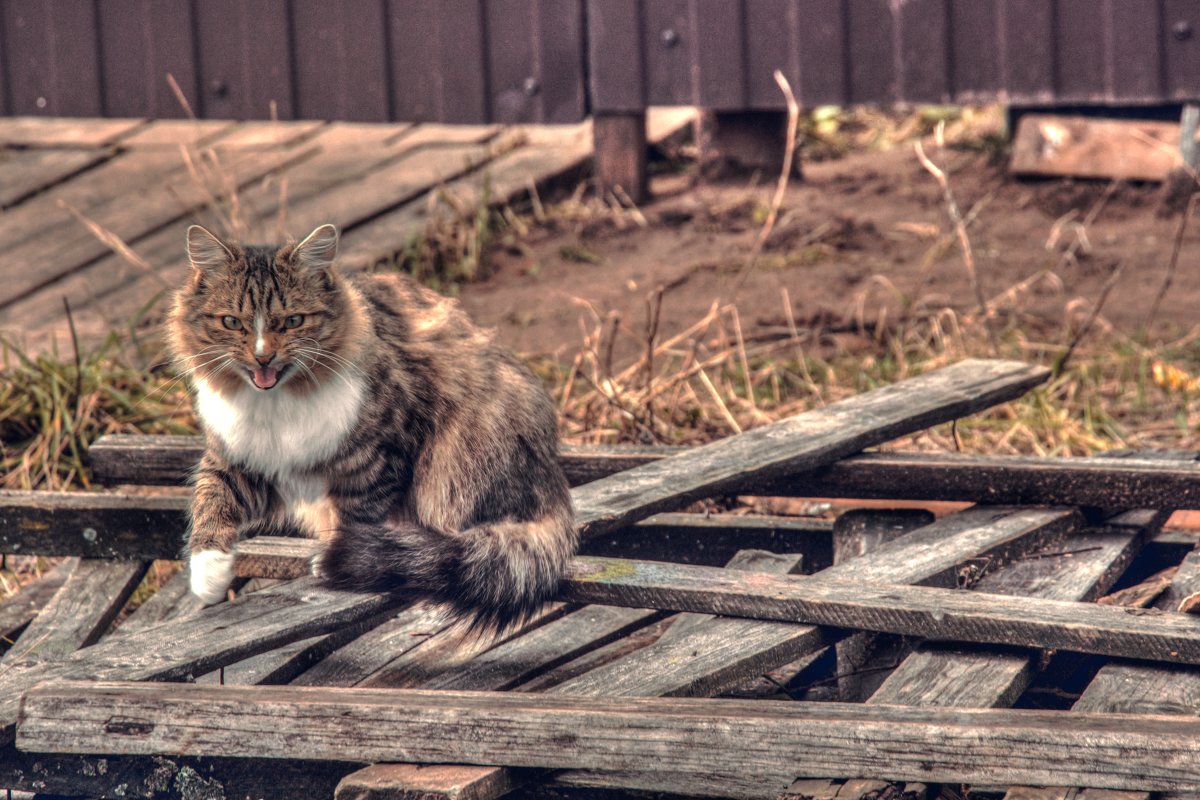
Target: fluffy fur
x,y
372,414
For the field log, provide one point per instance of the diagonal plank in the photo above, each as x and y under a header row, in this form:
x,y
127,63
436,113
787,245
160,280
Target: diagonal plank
x,y
1114,751
78,614
800,443
19,610
221,635
1138,688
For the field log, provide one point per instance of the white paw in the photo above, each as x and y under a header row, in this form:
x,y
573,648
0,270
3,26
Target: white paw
x,y
212,572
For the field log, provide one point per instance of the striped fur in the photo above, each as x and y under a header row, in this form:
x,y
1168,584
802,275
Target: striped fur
x,y
422,452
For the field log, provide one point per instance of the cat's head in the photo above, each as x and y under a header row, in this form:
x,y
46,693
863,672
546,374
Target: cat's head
x,y
270,318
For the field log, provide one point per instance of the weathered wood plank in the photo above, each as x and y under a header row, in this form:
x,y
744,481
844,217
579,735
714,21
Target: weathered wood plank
x,y
221,635
710,662
1138,688
518,661
1009,480
92,525
78,614
19,610
747,737
803,442
60,132
26,173
934,676
173,600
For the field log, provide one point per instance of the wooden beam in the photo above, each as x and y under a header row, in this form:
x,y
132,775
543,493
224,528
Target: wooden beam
x,y
1108,481
931,613
78,614
92,525
800,443
513,729
1138,688
221,635
619,142
19,610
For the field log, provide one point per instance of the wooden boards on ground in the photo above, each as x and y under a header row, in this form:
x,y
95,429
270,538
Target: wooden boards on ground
x,y
524,730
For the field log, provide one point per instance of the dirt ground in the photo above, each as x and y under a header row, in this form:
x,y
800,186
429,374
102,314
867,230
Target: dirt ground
x,y
857,237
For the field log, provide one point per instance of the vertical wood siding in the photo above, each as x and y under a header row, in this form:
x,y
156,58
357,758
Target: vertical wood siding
x,y
557,60
364,60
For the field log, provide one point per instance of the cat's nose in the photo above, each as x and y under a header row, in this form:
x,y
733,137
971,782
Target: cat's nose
x,y
264,359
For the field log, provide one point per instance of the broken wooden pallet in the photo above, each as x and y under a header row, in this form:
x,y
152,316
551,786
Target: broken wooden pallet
x,y
1042,559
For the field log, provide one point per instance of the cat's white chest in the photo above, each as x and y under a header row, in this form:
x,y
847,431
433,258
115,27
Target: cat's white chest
x,y
277,433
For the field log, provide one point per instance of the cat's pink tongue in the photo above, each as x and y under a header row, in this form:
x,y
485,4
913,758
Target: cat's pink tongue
x,y
265,377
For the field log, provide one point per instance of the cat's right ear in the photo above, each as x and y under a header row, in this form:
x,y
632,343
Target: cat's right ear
x,y
206,251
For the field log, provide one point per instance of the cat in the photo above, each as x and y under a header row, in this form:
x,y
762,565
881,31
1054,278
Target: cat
x,y
372,414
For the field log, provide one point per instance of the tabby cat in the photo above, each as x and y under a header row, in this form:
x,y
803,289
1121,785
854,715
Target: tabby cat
x,y
372,414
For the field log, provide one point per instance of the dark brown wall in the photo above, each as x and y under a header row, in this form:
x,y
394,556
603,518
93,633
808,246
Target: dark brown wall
x,y
556,60
721,53
368,60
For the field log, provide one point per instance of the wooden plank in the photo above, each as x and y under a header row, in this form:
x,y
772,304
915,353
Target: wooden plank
x,y
92,525
711,661
173,601
828,739
78,614
803,442
221,635
1088,147
517,661
1138,688
64,132
619,141
971,678
372,651
19,610
23,174
1101,481
161,203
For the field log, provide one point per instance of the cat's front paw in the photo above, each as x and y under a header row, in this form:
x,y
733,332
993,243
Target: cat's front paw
x,y
211,575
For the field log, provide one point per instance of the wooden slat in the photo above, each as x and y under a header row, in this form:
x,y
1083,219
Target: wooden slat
x,y
931,613
173,601
1137,688
1106,481
1083,147
92,525
709,662
19,610
64,132
800,443
223,634
517,661
25,174
731,736
958,677
78,614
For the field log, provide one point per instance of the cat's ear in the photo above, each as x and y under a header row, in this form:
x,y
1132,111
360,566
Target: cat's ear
x,y
318,249
206,251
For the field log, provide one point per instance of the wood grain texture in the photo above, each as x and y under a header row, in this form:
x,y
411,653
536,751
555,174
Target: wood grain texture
x,y
93,525
19,610
1138,688
221,635
727,651
489,728
78,614
522,659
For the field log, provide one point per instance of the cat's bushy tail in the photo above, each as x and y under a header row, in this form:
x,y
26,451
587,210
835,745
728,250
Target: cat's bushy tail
x,y
493,576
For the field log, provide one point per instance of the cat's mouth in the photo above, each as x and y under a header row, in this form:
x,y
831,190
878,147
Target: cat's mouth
x,y
266,377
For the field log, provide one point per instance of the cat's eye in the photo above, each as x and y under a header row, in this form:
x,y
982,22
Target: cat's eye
x,y
231,322
294,321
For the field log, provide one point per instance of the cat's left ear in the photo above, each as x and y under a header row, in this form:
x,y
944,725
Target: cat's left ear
x,y
318,249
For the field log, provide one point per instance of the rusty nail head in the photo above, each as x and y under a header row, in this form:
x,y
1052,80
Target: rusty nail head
x,y
1182,30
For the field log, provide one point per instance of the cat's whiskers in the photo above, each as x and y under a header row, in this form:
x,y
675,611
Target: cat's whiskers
x,y
188,371
336,356
315,357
